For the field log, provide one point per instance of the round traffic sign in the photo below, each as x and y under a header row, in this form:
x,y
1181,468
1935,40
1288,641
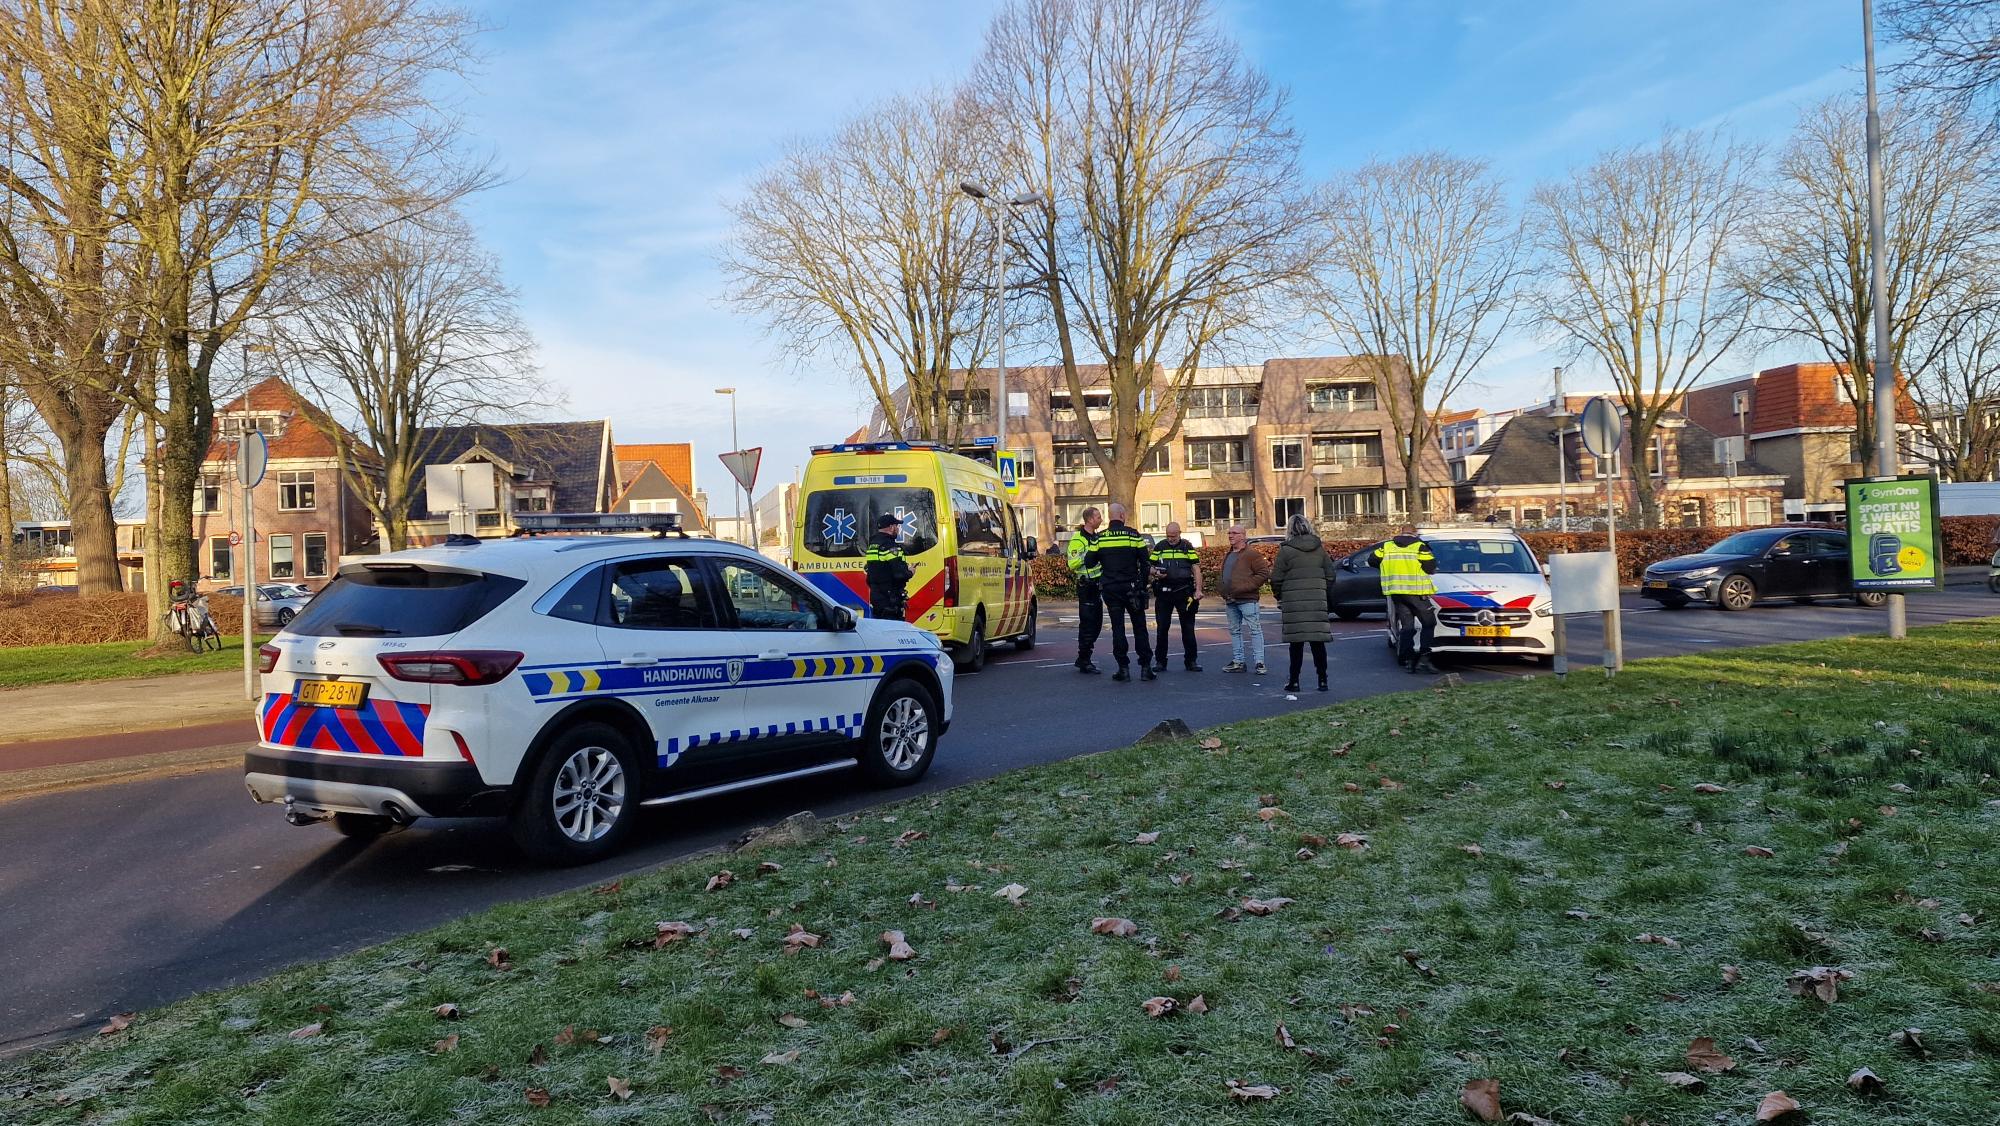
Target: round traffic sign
x,y
1600,428
253,453
236,539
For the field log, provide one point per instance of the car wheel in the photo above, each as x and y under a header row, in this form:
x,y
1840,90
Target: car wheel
x,y
1737,593
1993,583
901,734
1027,640
362,826
581,798
972,658
1346,613
1871,599
285,617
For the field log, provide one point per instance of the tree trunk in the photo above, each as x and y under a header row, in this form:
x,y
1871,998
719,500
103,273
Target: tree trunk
x,y
93,532
10,580
1414,508
186,430
1642,478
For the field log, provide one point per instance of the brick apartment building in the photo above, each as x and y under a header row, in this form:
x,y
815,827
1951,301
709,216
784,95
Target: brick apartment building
x,y
1257,443
307,518
1513,477
1799,420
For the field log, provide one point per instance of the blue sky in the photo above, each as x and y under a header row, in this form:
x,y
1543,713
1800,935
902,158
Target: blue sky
x,y
625,129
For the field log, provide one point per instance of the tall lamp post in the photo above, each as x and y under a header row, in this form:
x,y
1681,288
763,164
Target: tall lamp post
x,y
1884,366
743,491
1000,216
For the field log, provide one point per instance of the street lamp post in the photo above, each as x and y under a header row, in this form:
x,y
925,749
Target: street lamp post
x,y
1884,366
1000,217
743,491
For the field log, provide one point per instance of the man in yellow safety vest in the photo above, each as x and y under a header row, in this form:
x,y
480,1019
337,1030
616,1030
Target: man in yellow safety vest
x,y
1407,566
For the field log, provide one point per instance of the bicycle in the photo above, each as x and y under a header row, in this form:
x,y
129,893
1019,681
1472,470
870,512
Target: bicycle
x,y
191,620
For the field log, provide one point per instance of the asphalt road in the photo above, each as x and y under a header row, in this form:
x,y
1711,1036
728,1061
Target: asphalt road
x,y
128,896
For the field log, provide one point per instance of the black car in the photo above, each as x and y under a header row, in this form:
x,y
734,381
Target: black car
x,y
1356,586
1735,573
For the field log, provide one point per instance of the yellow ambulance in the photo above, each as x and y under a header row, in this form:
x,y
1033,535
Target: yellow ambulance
x,y
972,584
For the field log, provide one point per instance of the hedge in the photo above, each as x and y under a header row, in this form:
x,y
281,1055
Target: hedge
x,y
53,616
1966,542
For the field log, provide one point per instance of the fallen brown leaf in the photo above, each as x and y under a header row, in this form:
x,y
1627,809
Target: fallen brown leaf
x,y
539,1057
1271,813
1911,1038
1267,799
908,837
611,888
1556,784
446,1046
620,1089
1266,906
1012,893
782,1059
536,1096
769,868
1118,928
1354,841
1657,940
1473,850
667,933
1703,1056
1284,1037
1731,975
721,880
1865,1082
1350,787
1389,783
1775,1106
1886,810
1482,1098
497,958
899,949
742,933
1759,851
1211,743
1341,751
1259,1092
1417,963
1312,840
1198,1006
446,1011
308,1032
1157,1007
656,1038
1709,788
729,1072
1682,1081
1822,982
1305,854
793,1020
117,1024
799,938
1145,838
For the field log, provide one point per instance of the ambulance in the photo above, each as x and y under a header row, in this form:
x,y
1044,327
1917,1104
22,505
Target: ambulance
x,y
972,585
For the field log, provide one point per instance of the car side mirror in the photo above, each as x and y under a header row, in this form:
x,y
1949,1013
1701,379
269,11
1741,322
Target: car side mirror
x,y
843,619
1034,548
1545,570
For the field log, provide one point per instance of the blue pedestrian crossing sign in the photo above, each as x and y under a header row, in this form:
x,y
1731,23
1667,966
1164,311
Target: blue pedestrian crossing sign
x,y
1009,464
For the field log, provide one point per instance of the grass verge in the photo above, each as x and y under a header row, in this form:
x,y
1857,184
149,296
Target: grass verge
x,y
27,666
1398,972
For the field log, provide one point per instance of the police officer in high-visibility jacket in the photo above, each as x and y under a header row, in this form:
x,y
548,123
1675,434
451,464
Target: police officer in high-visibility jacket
x,y
1122,554
1089,599
1407,566
888,572
1176,590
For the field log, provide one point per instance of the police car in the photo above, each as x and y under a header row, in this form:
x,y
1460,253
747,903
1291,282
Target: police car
x,y
563,681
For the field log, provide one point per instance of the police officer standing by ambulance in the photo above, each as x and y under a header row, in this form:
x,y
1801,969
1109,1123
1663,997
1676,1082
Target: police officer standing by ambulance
x,y
1176,590
888,572
1121,555
1089,598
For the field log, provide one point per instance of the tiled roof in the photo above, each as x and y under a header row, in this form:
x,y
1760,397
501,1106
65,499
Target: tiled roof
x,y
567,455
675,459
1523,452
302,435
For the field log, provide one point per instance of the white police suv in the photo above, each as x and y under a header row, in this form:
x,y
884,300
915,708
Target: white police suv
x,y
565,680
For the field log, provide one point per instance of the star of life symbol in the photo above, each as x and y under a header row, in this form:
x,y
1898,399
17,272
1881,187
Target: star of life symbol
x,y
908,527
837,526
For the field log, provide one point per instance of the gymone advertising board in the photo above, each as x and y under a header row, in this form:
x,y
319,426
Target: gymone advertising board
x,y
1894,540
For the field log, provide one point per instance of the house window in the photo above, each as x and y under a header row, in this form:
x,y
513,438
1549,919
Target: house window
x,y
1739,404
1070,514
1325,398
1347,453
1347,506
978,403
1232,401
1073,461
1156,462
1095,402
1531,516
315,555
1397,506
295,490
1218,511
281,557
1288,453
1024,465
1756,511
220,558
1284,508
1656,456
1029,516
1220,455
531,499
657,505
1155,516
208,494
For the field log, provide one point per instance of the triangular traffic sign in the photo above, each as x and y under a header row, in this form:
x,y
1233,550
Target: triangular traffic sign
x,y
742,465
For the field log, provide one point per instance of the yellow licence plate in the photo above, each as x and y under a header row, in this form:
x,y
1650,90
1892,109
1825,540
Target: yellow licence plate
x,y
1489,631
332,693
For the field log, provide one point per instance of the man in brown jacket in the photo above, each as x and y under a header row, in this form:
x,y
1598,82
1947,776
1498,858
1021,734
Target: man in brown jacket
x,y
1244,573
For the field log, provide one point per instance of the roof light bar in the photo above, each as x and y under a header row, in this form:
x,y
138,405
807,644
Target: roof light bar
x,y
537,523
876,447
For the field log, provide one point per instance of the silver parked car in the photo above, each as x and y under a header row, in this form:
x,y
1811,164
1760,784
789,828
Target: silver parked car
x,y
277,603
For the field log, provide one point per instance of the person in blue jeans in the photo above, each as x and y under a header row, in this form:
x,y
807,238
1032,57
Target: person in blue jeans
x,y
1244,573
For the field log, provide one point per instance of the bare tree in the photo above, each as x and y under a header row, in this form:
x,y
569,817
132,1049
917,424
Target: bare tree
x,y
1956,389
1173,214
1416,276
864,244
1954,46
70,282
1809,267
398,333
1638,250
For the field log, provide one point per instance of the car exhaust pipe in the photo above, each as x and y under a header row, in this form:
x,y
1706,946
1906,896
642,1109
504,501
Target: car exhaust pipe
x,y
396,813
